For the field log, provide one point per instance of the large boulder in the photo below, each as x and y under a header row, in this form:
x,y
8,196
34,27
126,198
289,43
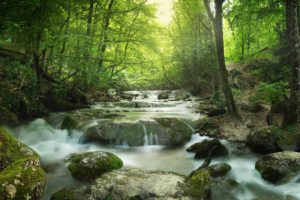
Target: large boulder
x,y
163,95
223,188
21,176
129,184
202,149
274,167
207,126
220,169
165,131
265,140
211,109
181,95
90,165
175,131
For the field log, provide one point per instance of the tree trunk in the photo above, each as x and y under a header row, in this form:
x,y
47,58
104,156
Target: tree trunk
x,y
218,28
104,34
294,46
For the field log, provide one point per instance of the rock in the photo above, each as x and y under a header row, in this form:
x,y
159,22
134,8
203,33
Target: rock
x,y
203,148
265,140
223,188
273,167
181,95
176,131
21,176
91,165
163,95
254,107
216,111
207,126
211,110
199,184
130,184
220,169
164,131
69,122
112,92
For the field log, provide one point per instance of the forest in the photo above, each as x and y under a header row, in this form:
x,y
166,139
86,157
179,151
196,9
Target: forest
x,y
150,99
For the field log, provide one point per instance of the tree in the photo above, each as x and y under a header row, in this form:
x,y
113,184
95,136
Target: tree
x,y
217,21
294,46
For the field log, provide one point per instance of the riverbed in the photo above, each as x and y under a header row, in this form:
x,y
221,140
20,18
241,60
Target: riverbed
x,y
54,145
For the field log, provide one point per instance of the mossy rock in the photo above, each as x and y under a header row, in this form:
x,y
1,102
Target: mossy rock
x,y
65,194
23,179
220,169
91,165
265,140
207,126
223,188
203,148
163,95
273,167
198,185
176,131
69,123
21,176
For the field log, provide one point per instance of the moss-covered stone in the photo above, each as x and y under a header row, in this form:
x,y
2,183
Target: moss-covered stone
x,y
65,194
90,165
69,123
207,126
176,131
21,176
202,149
265,140
198,185
220,169
273,167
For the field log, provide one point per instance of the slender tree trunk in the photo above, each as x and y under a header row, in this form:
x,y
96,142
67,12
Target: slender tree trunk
x,y
88,29
294,46
218,28
104,34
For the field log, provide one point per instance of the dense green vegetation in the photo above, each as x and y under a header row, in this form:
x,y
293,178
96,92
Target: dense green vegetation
x,y
58,55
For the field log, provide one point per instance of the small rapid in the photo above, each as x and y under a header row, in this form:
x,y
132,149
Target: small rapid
x,y
54,145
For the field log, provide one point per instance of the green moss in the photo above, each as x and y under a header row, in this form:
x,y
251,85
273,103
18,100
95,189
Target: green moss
x,y
69,123
220,169
205,124
23,179
66,194
11,150
21,176
198,184
88,166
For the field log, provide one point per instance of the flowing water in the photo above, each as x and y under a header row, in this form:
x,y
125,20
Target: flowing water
x,y
54,145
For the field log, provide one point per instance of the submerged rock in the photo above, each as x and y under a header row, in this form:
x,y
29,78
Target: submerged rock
x,y
274,167
203,148
220,169
265,140
223,188
21,176
129,184
162,131
91,165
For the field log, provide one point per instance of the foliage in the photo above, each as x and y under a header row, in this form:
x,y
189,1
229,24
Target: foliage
x,y
273,92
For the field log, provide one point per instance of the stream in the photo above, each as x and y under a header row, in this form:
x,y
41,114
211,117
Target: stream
x,y
54,145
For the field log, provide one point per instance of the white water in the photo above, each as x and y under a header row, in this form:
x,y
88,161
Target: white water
x,y
54,145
